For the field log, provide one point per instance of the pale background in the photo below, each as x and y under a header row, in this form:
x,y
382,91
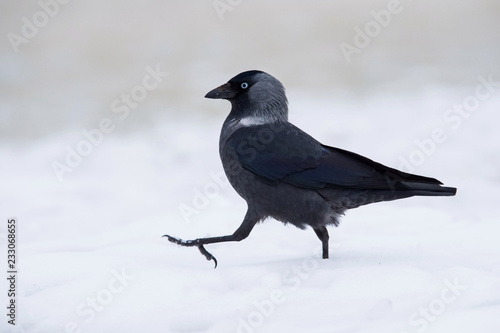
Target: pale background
x,y
388,260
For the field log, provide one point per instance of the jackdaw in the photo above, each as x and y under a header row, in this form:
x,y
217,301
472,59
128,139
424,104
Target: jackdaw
x,y
284,173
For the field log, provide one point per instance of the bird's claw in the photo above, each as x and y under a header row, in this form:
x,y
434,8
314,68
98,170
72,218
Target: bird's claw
x,y
207,255
202,249
179,241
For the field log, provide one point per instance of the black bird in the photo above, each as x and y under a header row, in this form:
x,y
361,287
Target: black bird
x,y
284,173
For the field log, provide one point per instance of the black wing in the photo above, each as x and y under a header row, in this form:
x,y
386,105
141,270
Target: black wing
x,y
284,153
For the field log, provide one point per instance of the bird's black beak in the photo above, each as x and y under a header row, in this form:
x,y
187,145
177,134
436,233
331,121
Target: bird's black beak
x,y
223,92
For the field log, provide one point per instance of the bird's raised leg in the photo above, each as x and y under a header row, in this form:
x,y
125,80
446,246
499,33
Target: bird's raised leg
x,y
241,233
322,234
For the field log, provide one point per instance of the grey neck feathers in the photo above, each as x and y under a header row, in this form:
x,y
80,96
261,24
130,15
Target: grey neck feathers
x,y
264,104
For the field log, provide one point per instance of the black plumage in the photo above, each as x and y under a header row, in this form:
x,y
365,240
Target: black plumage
x,y
284,173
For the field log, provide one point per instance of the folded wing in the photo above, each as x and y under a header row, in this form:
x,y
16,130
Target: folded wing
x,y
285,153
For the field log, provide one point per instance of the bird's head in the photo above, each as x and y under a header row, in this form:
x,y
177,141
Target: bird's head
x,y
254,94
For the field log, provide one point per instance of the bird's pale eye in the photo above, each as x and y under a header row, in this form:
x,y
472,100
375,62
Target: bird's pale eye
x,y
244,85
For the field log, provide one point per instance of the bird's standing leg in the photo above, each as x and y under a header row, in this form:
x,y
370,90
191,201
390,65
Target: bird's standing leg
x,y
241,233
322,234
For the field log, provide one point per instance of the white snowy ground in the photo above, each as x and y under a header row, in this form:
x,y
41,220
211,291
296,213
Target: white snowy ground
x,y
91,256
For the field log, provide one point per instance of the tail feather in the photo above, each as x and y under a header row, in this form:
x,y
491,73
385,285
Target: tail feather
x,y
426,189
348,199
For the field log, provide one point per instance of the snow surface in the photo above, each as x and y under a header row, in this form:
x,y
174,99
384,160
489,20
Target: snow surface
x,y
92,258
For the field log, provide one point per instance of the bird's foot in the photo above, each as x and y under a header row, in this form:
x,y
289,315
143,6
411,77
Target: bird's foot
x,y
207,255
202,249
179,241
